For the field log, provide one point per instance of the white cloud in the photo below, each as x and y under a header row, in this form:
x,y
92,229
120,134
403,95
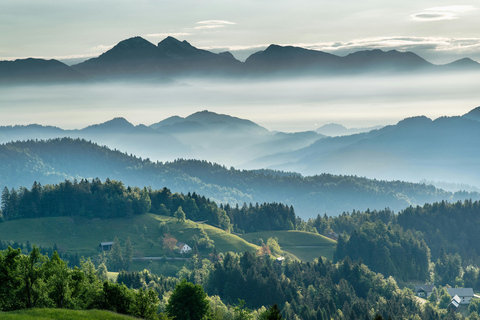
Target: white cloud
x,y
442,13
215,22
212,24
209,26
166,34
101,48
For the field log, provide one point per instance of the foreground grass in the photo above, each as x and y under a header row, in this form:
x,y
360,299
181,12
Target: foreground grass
x,y
63,314
306,246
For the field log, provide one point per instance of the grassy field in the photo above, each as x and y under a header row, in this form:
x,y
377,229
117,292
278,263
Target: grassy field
x,y
306,246
84,235
63,314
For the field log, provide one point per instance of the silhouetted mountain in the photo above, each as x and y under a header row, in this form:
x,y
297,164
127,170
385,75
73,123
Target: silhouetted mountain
x,y
37,71
283,59
169,121
137,56
112,126
473,114
446,149
134,56
22,163
462,65
140,60
202,135
377,59
335,129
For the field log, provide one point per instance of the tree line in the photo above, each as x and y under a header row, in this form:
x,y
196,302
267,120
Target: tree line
x,y
111,199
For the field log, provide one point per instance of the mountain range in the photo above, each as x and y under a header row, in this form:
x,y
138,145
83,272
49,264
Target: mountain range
x,y
202,135
139,59
50,162
445,149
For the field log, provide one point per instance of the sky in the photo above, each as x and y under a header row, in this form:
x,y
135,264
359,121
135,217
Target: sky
x,y
440,31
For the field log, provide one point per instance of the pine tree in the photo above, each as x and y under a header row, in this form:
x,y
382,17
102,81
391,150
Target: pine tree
x,y
128,254
5,203
116,257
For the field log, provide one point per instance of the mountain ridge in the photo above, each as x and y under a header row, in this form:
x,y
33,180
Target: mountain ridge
x,y
138,59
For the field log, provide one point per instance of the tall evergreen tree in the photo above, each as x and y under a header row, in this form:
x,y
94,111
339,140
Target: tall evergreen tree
x,y
115,256
128,254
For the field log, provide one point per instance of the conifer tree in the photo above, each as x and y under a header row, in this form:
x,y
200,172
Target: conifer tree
x,y
128,254
116,257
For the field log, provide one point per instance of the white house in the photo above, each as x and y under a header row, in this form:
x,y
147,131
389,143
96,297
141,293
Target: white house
x,y
465,294
183,247
456,302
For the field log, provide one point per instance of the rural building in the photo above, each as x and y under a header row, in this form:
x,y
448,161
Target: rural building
x,y
280,260
105,246
465,294
456,302
332,235
424,290
183,247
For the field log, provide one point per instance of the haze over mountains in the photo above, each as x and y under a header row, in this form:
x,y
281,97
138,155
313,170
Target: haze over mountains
x,y
202,135
445,149
53,161
139,59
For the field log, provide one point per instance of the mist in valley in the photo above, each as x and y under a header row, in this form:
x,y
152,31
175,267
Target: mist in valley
x,y
283,106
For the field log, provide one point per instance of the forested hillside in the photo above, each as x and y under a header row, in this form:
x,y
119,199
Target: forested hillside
x,y
111,199
443,233
319,290
53,161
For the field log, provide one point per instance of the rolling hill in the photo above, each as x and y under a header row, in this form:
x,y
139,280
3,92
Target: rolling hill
x,y
53,161
73,234
306,246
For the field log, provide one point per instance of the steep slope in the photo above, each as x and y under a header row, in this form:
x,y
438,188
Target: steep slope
x,y
131,57
139,58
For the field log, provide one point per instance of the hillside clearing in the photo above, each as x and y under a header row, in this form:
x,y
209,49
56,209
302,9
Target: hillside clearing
x,y
306,246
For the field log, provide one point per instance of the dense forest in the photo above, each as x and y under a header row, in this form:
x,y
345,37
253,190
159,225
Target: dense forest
x,y
111,199
53,161
444,232
296,290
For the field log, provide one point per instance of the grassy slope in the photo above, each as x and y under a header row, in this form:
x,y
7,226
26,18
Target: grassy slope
x,y
63,314
306,246
84,235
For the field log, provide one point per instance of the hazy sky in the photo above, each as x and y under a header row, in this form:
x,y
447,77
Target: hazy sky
x,y
440,31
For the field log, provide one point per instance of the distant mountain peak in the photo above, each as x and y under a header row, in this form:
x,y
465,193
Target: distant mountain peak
x,y
176,48
115,124
132,45
473,114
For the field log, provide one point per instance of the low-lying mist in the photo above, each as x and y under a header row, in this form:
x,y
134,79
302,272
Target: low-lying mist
x,y
297,104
